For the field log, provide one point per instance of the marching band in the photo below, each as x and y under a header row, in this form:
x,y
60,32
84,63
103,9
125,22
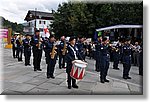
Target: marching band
x,y
76,49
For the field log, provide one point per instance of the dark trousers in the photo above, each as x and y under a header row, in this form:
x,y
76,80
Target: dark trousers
x,y
104,69
14,49
27,60
141,64
50,67
61,61
116,62
83,55
97,65
126,69
37,55
19,54
116,59
27,55
140,70
136,56
94,55
91,54
70,79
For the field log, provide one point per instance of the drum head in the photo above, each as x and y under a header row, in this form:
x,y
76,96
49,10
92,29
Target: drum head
x,y
79,61
80,65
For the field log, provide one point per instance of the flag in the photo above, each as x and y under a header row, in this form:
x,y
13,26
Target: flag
x,y
46,31
99,34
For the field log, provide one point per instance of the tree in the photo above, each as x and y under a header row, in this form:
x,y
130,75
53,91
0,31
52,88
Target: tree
x,y
83,18
15,27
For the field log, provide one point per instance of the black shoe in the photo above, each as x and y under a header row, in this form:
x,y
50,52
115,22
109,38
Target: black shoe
x,y
128,77
48,77
60,67
141,74
102,81
35,69
20,60
116,68
52,77
75,86
69,87
39,69
124,77
106,80
25,64
97,70
29,64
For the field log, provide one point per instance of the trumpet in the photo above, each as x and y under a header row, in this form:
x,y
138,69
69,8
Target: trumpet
x,y
132,46
117,50
114,48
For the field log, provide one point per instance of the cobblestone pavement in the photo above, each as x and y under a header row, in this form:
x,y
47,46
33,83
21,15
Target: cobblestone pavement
x,y
19,79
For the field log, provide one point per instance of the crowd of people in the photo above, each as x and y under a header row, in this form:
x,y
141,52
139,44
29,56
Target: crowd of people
x,y
76,48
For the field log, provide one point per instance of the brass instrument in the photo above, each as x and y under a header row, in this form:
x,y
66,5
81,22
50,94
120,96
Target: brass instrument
x,y
64,49
117,49
114,48
20,41
53,53
39,44
132,46
29,43
15,43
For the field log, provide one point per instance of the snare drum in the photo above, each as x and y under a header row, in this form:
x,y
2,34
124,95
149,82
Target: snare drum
x,y
78,69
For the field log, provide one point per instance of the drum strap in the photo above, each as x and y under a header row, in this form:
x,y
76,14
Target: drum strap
x,y
73,52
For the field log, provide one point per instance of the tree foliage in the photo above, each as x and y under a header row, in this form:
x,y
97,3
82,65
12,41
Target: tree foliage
x,y
83,18
15,27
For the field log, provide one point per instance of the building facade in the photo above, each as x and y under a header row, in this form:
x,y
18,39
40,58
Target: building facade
x,y
38,20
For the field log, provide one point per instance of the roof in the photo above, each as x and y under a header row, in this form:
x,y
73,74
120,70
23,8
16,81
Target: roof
x,y
38,15
120,26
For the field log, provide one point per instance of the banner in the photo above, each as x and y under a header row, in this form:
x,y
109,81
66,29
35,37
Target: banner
x,y
3,33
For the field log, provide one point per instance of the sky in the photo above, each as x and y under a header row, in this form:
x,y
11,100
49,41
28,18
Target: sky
x,y
16,10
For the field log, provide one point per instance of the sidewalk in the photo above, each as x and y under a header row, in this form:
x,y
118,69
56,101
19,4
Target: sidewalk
x,y
20,79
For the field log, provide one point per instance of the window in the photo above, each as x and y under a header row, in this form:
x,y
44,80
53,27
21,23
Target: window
x,y
40,22
41,29
44,22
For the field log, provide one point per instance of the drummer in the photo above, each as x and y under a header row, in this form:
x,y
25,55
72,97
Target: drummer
x,y
72,54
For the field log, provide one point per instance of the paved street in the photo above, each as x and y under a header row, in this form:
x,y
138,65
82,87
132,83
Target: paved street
x,y
20,79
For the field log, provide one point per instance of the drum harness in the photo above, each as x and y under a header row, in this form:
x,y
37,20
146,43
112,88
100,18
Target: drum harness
x,y
73,52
